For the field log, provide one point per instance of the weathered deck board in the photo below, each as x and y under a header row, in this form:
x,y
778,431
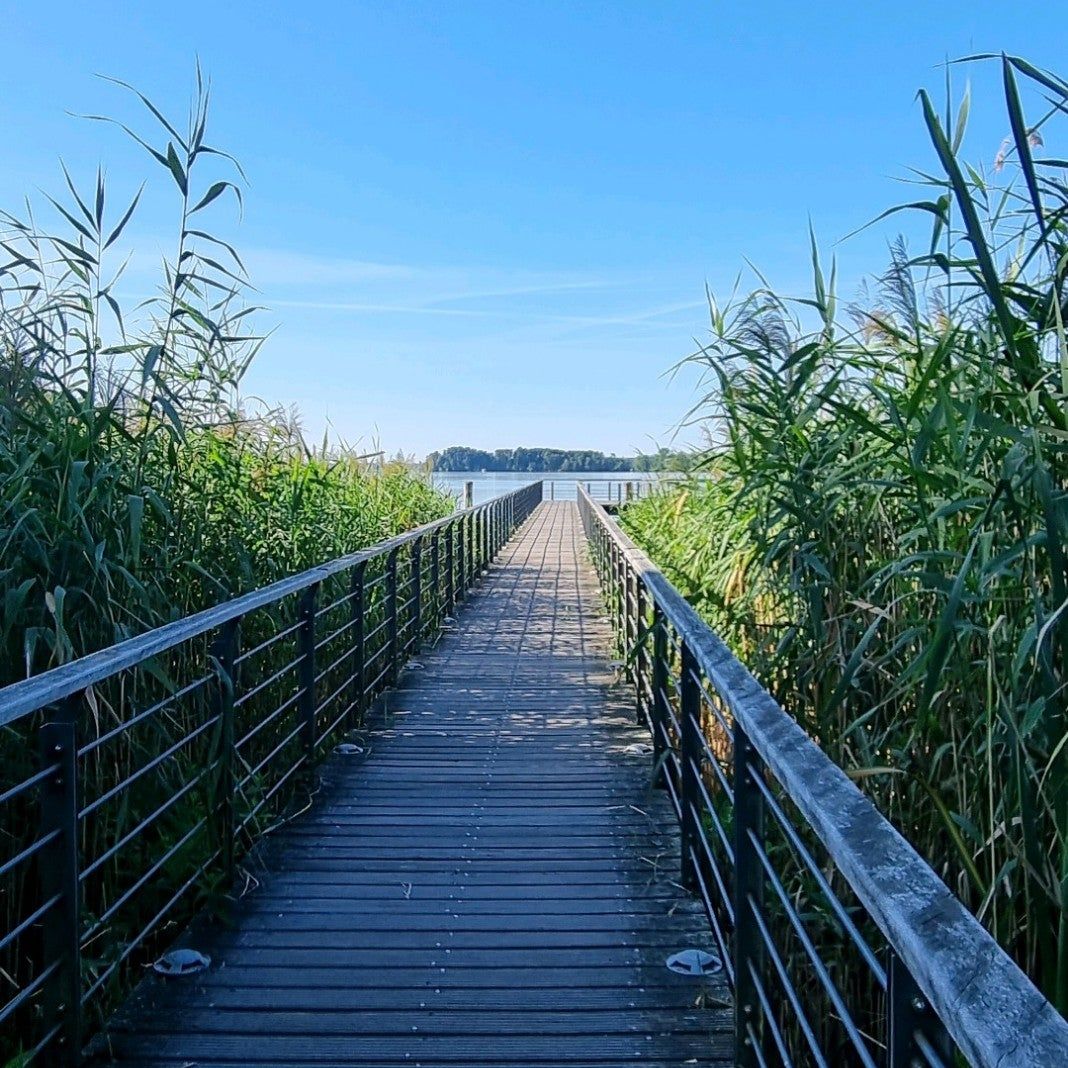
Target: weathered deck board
x,y
492,885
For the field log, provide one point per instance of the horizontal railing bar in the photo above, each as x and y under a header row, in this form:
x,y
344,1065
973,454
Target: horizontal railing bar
x,y
335,664
769,1018
333,636
136,941
333,725
721,832
787,987
345,598
21,698
816,961
839,910
154,763
710,858
130,835
254,811
28,784
709,758
268,642
28,991
30,1055
25,854
253,772
722,941
152,710
29,921
378,678
711,702
996,1015
930,1054
669,782
382,650
266,683
269,719
326,701
131,891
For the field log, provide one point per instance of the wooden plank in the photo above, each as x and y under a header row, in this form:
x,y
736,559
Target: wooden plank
x,y
493,883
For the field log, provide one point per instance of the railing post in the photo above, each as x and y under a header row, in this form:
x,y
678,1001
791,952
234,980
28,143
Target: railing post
x,y
641,644
391,613
461,569
690,763
450,570
359,682
417,594
224,652
306,652
476,548
660,700
749,953
619,583
909,1015
435,577
630,592
474,563
62,993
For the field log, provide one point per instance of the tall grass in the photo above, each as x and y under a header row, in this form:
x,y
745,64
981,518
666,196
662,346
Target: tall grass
x,y
885,539
135,488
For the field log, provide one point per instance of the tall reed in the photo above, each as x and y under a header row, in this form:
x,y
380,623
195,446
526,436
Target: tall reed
x,y
134,485
135,488
884,539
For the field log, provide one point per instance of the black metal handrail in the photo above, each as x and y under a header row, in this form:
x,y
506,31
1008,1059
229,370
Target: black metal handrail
x,y
799,873
152,766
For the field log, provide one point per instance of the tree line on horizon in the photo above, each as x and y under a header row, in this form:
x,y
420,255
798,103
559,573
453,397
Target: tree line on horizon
x,y
463,458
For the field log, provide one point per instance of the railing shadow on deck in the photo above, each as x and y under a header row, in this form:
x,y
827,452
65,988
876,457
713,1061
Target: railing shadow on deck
x,y
151,767
841,945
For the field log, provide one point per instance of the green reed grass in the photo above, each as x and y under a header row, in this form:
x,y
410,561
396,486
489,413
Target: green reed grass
x,y
885,536
135,488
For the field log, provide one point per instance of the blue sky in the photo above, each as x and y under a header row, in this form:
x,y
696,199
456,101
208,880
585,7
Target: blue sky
x,y
492,223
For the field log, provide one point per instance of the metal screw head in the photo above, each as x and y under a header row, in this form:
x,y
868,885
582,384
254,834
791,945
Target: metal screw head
x,y
57,748
918,1004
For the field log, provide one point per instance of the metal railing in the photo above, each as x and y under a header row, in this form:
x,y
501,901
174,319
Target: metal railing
x,y
841,945
151,767
606,489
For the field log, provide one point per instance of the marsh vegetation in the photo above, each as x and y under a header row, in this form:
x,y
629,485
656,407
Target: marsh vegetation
x,y
137,486
885,535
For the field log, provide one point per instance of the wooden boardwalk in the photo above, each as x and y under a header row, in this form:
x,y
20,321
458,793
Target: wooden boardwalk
x,y
493,884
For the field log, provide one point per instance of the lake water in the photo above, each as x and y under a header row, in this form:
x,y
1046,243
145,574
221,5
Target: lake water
x,y
560,486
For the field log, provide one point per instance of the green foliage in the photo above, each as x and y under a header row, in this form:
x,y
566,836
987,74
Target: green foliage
x,y
884,536
463,458
134,490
